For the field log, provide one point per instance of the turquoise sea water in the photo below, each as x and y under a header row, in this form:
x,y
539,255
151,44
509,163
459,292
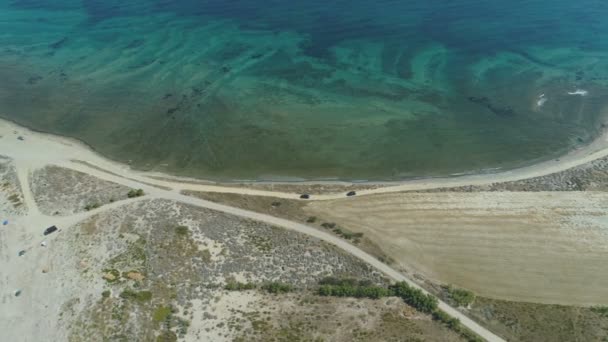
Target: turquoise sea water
x,y
249,89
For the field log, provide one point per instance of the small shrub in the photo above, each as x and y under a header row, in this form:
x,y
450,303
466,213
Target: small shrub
x,y
167,336
161,313
135,193
277,288
311,219
276,204
460,296
142,296
349,287
415,297
237,286
601,310
92,206
106,294
182,230
449,321
328,225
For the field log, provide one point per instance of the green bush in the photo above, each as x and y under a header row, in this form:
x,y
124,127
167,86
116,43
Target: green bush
x,y
161,313
135,193
167,336
276,288
311,219
106,294
92,206
448,320
142,296
460,296
349,287
237,286
601,310
415,297
182,230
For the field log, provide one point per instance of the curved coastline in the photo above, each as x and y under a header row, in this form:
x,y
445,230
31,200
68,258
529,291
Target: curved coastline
x,y
596,149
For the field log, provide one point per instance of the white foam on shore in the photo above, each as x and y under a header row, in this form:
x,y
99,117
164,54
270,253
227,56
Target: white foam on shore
x,y
541,100
580,92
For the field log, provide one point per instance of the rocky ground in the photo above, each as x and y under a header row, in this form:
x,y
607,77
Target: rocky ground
x,y
59,191
159,268
11,198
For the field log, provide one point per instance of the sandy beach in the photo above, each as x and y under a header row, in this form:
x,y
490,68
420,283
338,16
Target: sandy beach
x,y
43,149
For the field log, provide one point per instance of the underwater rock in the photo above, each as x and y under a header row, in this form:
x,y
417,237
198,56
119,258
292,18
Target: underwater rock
x,y
34,79
135,44
58,44
500,111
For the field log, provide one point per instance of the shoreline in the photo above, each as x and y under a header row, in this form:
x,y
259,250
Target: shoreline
x,y
596,149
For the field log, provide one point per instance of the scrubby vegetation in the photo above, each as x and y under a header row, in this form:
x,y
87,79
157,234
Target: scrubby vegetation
x,y
601,310
141,296
238,286
422,302
311,219
161,313
460,297
334,287
182,230
135,193
276,287
92,206
426,303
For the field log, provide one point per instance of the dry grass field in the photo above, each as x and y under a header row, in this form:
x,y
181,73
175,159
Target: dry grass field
x,y
543,247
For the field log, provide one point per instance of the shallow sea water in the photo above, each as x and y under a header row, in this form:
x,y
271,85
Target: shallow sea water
x,y
250,89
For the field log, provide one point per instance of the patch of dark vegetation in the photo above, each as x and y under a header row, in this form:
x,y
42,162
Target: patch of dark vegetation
x,y
162,313
135,193
427,303
311,219
182,230
277,288
332,287
328,225
141,296
92,206
601,310
167,336
238,286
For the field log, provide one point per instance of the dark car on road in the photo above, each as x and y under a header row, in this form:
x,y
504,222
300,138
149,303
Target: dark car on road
x,y
351,193
305,196
50,230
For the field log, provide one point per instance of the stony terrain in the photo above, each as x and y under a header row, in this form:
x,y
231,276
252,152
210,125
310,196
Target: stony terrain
x,y
11,198
174,260
59,191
